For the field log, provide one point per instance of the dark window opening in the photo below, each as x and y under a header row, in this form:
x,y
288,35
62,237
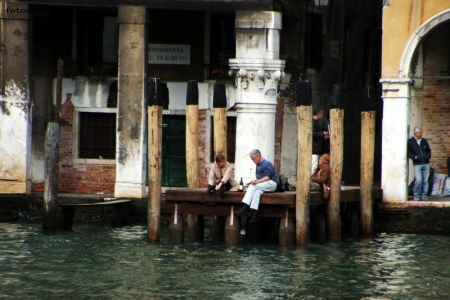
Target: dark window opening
x,y
231,139
97,135
223,45
314,41
97,42
372,57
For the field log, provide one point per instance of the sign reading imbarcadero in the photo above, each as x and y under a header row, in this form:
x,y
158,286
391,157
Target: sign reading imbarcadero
x,y
169,54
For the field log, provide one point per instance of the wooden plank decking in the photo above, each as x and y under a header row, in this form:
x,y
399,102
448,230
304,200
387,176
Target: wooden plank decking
x,y
68,211
197,201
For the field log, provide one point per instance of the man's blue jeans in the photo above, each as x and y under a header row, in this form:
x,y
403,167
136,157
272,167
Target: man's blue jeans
x,y
421,174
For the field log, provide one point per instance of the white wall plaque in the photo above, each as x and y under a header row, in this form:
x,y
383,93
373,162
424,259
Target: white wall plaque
x,y
169,54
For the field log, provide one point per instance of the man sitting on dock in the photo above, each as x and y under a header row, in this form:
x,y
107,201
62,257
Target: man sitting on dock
x,y
266,181
221,176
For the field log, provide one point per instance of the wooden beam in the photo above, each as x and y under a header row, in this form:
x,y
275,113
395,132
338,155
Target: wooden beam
x,y
211,5
349,194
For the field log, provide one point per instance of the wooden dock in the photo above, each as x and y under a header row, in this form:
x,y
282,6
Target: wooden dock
x,y
272,205
68,211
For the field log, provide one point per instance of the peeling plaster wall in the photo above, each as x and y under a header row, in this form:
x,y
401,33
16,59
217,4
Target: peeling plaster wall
x,y
92,93
86,92
15,140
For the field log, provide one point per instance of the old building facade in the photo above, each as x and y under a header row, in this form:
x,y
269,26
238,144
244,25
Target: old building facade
x,y
110,49
415,79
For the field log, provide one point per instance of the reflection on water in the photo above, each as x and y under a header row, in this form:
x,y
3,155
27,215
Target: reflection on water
x,y
117,263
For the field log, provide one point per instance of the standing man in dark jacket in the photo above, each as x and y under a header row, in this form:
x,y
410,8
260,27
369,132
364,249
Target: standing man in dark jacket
x,y
318,135
420,153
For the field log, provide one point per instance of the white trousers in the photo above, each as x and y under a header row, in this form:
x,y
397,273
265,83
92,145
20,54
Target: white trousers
x,y
315,163
254,192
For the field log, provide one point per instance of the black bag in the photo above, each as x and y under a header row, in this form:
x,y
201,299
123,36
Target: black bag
x,y
430,181
282,184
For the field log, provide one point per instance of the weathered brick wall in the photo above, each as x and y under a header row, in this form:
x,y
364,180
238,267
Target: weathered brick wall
x,y
436,97
91,179
81,178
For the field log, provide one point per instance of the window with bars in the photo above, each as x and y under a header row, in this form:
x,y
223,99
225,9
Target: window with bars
x,y
231,139
97,135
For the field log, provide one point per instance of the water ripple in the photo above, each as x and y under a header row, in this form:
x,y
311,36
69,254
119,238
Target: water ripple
x,y
117,263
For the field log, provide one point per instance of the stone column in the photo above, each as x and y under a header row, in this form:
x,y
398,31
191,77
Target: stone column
x,y
258,71
396,103
131,109
15,102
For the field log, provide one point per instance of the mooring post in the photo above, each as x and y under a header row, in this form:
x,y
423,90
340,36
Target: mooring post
x,y
154,114
368,115
286,235
232,229
304,150
336,161
59,79
176,228
195,223
220,119
217,228
51,165
220,145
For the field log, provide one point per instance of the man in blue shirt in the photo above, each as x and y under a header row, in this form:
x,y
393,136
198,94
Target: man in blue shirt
x,y
420,153
266,181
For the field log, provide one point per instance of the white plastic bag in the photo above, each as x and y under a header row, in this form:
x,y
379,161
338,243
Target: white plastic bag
x,y
446,187
438,184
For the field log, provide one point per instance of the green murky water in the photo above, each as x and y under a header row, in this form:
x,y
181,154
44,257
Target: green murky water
x,y
100,262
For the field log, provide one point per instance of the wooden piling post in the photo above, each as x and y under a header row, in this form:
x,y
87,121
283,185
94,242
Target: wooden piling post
x,y
217,228
336,162
286,232
220,145
192,155
232,229
154,112
321,233
220,119
368,115
176,228
59,78
51,165
304,150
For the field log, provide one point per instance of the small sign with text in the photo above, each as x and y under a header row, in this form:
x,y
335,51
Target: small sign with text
x,y
169,54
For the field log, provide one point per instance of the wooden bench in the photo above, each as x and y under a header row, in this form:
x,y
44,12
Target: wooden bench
x,y
68,211
197,201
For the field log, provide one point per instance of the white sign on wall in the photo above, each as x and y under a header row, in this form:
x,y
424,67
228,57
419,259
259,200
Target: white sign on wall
x,y
169,54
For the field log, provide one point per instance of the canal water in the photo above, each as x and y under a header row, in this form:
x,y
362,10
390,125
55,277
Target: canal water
x,y
101,262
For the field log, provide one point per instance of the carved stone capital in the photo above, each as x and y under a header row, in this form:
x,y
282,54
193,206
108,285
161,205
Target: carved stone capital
x,y
264,74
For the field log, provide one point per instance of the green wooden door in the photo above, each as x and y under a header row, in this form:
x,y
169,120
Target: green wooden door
x,y
174,151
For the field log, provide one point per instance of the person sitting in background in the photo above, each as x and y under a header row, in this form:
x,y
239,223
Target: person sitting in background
x,y
221,176
317,138
322,174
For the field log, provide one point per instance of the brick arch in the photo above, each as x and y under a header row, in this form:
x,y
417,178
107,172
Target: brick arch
x,y
416,38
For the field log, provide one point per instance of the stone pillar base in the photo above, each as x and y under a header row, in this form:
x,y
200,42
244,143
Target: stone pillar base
x,y
396,102
130,190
